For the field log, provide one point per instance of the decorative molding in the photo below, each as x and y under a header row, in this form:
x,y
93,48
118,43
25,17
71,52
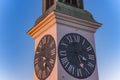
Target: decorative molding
x,y
71,21
59,18
43,25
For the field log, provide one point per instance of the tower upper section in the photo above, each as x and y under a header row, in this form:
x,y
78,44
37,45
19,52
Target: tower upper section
x,y
74,8
74,3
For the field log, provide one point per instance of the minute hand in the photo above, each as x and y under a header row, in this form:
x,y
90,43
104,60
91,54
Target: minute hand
x,y
83,58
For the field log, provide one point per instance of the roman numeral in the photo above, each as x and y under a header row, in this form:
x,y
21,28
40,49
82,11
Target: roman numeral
x,y
69,38
52,62
83,42
89,48
90,65
40,74
87,71
43,74
40,45
91,57
63,53
36,61
71,69
66,65
64,44
79,73
48,69
76,38
44,40
64,60
51,44
37,68
53,51
73,38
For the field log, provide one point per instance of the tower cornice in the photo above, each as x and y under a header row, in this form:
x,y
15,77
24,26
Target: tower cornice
x,y
59,18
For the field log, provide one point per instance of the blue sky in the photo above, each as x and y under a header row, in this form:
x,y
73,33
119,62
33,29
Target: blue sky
x,y
17,48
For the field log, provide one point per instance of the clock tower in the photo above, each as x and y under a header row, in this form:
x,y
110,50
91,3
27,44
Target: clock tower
x,y
64,42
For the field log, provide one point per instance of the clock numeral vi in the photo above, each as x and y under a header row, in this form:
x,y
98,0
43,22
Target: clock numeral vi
x,y
79,73
40,74
44,74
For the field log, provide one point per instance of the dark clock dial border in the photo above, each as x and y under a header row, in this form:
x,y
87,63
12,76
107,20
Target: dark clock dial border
x,y
87,53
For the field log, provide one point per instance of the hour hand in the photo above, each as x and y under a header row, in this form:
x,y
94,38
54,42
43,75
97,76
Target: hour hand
x,y
44,61
79,57
44,58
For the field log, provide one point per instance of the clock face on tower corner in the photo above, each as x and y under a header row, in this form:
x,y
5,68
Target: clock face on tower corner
x,y
76,55
45,56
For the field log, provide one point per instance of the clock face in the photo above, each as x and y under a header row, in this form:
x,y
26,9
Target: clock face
x,y
45,56
77,56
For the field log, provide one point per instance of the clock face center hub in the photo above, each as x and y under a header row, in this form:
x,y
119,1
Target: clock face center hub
x,y
75,52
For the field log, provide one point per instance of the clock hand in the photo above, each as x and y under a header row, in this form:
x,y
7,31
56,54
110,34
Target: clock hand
x,y
44,59
44,64
79,58
82,65
83,58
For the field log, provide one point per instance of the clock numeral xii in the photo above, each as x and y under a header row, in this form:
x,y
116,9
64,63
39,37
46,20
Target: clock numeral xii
x,y
73,38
